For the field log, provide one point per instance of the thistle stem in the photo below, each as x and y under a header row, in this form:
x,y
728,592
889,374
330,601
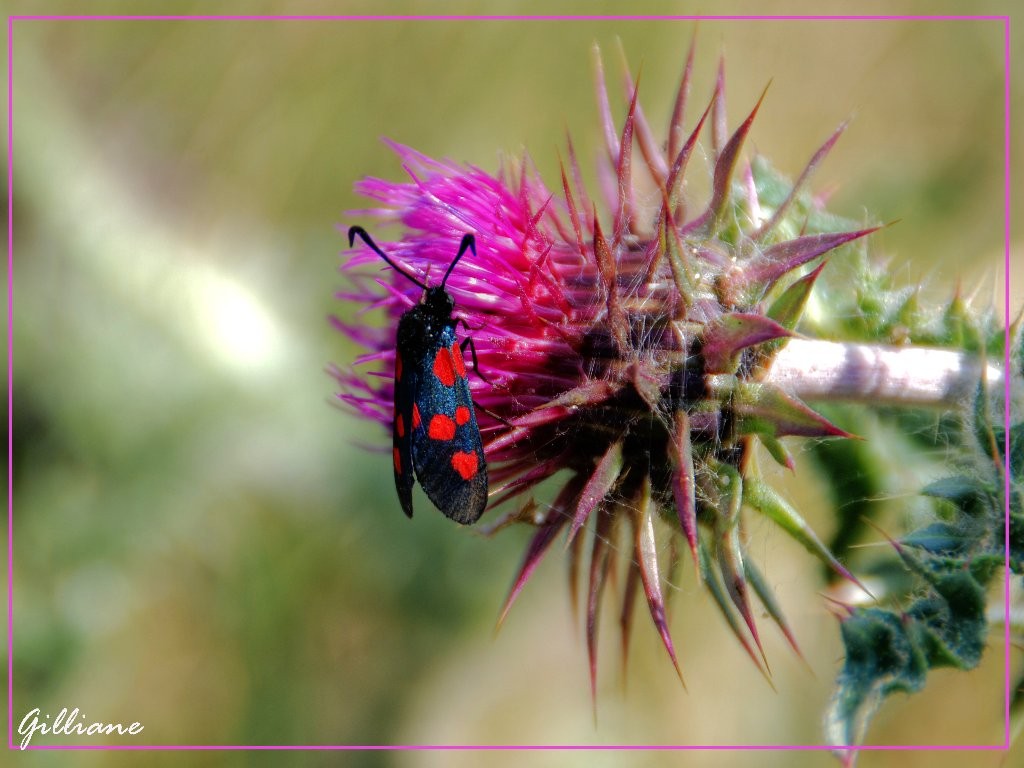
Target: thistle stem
x,y
828,370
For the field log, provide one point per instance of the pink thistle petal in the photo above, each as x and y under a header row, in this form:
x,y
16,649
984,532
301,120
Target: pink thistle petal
x,y
733,332
605,475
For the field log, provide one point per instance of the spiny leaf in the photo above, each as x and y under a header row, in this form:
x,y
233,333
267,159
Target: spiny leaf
x,y
647,560
684,479
761,497
598,573
777,260
675,126
733,332
881,659
766,409
617,321
778,451
789,307
724,168
611,138
554,521
729,551
764,594
713,581
818,156
601,481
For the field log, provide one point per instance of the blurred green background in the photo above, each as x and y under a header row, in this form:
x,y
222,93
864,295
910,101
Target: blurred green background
x,y
202,542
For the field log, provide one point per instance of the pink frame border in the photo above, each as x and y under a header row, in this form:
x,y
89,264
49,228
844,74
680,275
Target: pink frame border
x,y
11,743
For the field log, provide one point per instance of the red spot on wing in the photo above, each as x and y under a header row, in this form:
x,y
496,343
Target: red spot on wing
x,y
416,420
465,463
461,415
460,364
397,458
444,367
441,427
398,367
399,425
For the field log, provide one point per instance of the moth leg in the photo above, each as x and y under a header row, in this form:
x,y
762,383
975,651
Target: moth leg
x,y
468,342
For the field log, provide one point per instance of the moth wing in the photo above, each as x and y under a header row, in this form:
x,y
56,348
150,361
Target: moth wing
x,y
403,427
447,451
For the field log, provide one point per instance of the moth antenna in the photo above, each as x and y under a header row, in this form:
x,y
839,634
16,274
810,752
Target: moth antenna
x,y
354,232
468,242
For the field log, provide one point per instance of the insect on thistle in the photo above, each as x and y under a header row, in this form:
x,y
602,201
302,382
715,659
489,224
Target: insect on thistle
x,y
435,430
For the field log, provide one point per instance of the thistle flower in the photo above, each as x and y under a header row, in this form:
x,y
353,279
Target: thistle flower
x,y
623,347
